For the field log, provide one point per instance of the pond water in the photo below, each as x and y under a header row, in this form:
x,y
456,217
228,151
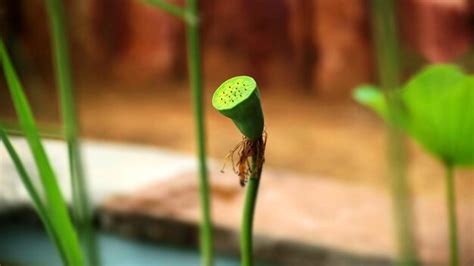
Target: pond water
x,y
27,245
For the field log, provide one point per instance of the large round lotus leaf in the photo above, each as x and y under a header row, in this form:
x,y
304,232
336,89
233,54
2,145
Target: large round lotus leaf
x,y
438,112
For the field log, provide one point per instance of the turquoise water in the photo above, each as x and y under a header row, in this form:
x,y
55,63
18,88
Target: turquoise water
x,y
22,245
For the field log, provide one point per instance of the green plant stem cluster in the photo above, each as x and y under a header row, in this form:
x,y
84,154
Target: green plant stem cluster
x,y
48,200
53,213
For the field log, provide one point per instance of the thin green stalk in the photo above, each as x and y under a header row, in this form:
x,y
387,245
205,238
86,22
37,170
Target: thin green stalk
x,y
246,247
195,78
238,98
18,132
388,60
169,8
30,188
190,15
46,130
452,218
80,199
55,204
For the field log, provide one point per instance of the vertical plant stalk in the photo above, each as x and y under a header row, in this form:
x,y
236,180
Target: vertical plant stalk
x,y
246,240
387,47
195,78
238,98
80,199
452,218
189,16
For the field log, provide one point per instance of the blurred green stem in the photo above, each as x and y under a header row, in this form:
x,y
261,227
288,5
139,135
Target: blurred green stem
x,y
246,246
168,7
388,60
189,16
195,78
80,199
451,206
46,130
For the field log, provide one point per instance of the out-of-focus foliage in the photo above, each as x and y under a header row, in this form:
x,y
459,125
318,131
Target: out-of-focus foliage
x,y
62,229
438,111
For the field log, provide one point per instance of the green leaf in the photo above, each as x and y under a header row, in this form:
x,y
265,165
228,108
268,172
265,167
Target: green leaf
x,y
440,101
439,104
372,97
55,204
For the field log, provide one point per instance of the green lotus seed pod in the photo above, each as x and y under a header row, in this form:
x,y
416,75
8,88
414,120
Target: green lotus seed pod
x,y
238,98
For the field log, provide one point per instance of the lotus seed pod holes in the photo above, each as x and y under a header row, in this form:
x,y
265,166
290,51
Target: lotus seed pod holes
x,y
233,91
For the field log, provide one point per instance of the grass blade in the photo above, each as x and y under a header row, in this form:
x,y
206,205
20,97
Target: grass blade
x,y
55,204
82,210
46,130
30,188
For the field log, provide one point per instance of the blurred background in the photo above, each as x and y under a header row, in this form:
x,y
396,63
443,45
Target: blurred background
x,y
130,75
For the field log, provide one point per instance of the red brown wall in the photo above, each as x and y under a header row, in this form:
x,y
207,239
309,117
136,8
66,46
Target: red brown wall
x,y
320,46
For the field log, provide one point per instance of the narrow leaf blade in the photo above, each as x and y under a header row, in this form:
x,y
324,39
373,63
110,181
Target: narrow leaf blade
x,y
56,205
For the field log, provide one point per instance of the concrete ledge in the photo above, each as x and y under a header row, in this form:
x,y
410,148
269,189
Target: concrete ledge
x,y
298,218
112,169
267,248
152,193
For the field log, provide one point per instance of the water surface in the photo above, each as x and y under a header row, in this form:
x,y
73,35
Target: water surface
x,y
27,245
